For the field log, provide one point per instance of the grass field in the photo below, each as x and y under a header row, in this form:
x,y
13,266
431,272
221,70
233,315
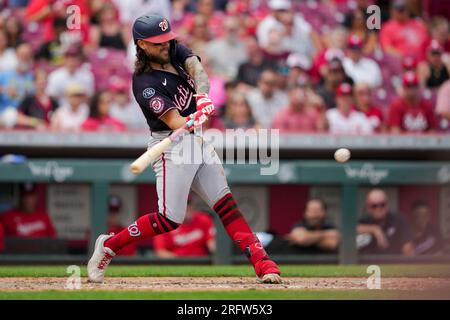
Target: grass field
x,y
405,282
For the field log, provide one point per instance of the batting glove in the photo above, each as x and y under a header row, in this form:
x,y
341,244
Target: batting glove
x,y
204,104
199,118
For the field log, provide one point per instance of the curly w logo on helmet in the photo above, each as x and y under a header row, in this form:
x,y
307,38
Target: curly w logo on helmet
x,y
164,25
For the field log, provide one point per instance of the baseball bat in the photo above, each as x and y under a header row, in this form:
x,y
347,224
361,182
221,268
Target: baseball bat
x,y
141,163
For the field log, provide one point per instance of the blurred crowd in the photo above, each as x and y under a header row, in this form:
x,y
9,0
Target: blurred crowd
x,y
299,66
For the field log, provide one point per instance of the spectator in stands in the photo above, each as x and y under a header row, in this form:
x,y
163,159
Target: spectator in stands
x,y
72,71
355,22
8,59
199,35
2,238
14,29
274,50
53,50
73,112
299,115
130,10
109,33
178,15
299,68
433,72
364,104
382,231
44,12
426,236
296,33
218,5
299,36
15,85
344,119
37,108
213,17
440,31
99,117
409,63
28,220
443,106
238,114
195,237
114,225
333,75
410,112
250,70
266,100
314,234
358,67
403,35
227,53
125,109
335,44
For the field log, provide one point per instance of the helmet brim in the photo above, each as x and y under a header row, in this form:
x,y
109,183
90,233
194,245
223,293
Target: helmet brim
x,y
162,37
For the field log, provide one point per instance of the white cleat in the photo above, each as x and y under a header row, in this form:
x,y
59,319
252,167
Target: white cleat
x,y
269,278
100,259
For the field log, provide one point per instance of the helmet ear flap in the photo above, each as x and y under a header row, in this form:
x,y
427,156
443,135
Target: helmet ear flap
x,y
173,48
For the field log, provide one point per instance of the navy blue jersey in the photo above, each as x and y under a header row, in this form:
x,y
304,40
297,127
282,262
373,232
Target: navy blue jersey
x,y
159,91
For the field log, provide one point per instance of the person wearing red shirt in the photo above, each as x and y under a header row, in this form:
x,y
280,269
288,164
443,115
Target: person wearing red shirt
x,y
300,115
27,221
195,237
410,112
114,225
45,12
2,239
363,101
99,118
402,35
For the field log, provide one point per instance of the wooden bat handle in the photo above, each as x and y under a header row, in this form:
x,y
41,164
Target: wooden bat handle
x,y
141,163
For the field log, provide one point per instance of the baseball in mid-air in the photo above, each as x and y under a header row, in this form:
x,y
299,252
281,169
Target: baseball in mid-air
x,y
342,155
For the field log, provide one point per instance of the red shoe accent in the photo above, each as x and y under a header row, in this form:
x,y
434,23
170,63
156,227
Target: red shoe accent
x,y
264,267
105,261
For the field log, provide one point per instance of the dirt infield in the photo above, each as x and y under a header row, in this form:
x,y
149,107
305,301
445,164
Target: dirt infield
x,y
222,283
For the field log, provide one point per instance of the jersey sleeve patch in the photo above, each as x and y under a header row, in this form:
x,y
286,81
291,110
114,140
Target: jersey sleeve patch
x,y
148,93
157,105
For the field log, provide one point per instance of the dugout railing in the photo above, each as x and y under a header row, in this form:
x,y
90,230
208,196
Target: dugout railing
x,y
101,173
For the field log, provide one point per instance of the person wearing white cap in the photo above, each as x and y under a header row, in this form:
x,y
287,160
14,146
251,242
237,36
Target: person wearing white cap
x,y
298,35
359,67
71,115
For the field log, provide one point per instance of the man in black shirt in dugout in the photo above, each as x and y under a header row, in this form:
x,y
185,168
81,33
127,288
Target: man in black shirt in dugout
x,y
381,231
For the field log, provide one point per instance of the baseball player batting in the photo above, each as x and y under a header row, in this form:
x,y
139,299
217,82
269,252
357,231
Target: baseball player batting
x,y
171,87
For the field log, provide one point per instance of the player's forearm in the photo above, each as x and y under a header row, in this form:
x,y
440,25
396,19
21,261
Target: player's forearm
x,y
195,69
173,119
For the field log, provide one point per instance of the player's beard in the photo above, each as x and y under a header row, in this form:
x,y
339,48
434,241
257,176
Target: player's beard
x,y
158,59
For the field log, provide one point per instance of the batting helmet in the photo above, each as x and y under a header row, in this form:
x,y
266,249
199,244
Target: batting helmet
x,y
153,28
